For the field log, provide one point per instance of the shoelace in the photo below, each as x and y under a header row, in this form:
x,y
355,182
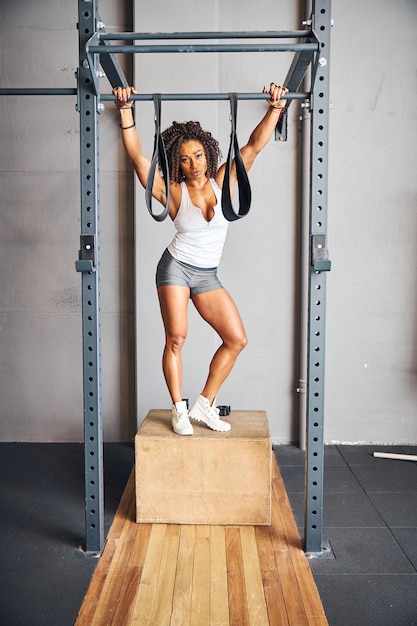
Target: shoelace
x,y
214,412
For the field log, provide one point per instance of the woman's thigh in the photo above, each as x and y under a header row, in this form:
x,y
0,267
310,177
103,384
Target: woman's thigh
x,y
219,310
173,301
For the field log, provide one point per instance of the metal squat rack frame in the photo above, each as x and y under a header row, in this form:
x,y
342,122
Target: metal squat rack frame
x,y
312,52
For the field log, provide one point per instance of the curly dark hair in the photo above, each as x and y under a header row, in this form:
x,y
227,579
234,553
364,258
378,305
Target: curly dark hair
x,y
177,134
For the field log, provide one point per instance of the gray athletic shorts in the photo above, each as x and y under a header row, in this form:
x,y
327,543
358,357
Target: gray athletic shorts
x,y
199,279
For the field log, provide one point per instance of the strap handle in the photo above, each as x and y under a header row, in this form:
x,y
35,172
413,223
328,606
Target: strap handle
x,y
158,151
245,194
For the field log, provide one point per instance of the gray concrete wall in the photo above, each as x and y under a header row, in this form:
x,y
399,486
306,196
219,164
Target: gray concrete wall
x,y
40,292
259,267
371,377
371,309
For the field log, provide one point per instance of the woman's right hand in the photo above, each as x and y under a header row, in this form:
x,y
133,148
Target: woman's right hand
x,y
123,94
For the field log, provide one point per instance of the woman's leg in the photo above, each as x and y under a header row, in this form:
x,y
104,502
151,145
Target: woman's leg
x,y
218,309
173,301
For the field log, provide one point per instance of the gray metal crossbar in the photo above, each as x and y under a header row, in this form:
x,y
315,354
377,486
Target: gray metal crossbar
x,y
260,34
206,96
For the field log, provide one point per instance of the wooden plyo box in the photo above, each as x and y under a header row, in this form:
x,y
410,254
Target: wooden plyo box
x,y
207,478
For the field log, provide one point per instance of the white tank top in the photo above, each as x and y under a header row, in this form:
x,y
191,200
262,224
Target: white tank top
x,y
198,242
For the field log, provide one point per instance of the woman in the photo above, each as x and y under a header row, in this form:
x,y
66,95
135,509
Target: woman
x,y
188,267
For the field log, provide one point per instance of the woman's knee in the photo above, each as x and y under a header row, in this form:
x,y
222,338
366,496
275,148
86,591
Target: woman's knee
x,y
175,341
239,342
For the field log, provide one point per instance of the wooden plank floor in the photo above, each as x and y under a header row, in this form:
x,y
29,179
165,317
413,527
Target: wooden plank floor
x,y
194,575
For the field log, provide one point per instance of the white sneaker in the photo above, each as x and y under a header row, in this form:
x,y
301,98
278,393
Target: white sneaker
x,y
180,420
203,412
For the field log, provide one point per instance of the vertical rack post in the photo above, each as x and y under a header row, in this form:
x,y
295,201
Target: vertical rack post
x,y
319,265
89,266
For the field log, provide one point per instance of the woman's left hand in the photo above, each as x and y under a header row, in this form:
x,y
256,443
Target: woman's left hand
x,y
276,92
123,94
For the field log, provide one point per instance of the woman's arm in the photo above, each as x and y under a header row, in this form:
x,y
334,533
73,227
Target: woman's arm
x,y
262,133
133,145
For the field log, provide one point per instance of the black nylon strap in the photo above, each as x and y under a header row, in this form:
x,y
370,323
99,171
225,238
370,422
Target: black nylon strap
x,y
158,151
245,194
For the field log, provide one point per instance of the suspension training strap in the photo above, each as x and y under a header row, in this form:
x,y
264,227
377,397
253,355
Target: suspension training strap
x,y
158,151
245,194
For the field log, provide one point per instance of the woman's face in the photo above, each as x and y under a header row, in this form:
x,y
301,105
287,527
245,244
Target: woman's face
x,y
193,161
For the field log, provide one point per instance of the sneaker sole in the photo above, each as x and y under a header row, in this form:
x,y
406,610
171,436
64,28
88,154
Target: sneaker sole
x,y
211,425
191,432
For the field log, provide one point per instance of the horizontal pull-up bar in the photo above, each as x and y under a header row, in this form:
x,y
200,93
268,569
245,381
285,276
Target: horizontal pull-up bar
x,y
50,91
293,34
273,47
37,91
206,96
